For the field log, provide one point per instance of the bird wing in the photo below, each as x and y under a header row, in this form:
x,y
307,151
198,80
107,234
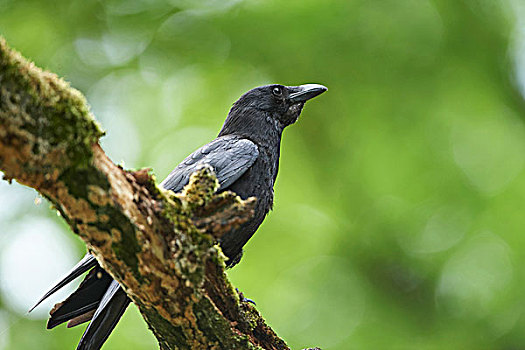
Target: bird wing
x,y
230,156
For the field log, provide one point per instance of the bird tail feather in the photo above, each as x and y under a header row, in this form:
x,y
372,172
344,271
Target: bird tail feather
x,y
83,301
110,310
87,262
98,298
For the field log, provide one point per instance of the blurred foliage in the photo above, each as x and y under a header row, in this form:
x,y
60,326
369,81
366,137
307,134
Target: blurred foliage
x,y
398,219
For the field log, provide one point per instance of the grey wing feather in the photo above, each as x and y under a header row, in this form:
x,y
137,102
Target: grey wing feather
x,y
230,157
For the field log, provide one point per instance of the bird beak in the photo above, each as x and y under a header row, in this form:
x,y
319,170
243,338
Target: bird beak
x,y
305,92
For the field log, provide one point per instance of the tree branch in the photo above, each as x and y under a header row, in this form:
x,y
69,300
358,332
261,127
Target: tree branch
x,y
157,245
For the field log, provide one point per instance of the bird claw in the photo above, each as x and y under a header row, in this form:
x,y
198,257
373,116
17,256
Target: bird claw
x,y
244,299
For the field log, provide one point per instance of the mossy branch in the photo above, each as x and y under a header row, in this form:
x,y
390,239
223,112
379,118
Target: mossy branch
x,y
158,245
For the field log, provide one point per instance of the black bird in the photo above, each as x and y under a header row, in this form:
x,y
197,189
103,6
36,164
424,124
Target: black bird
x,y
245,157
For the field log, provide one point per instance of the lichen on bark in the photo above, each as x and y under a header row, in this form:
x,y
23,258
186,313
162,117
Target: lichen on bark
x,y
158,245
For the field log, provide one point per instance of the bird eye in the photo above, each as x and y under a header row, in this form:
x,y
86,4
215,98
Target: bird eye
x,y
277,91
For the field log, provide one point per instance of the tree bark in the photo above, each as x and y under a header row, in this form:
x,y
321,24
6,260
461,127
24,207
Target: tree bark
x,y
158,245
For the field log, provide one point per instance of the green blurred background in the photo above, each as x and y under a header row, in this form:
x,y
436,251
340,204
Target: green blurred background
x,y
398,220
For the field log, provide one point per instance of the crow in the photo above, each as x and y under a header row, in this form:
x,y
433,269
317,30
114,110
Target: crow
x,y
245,157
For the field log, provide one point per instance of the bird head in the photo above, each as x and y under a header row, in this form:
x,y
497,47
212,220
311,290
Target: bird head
x,y
276,105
